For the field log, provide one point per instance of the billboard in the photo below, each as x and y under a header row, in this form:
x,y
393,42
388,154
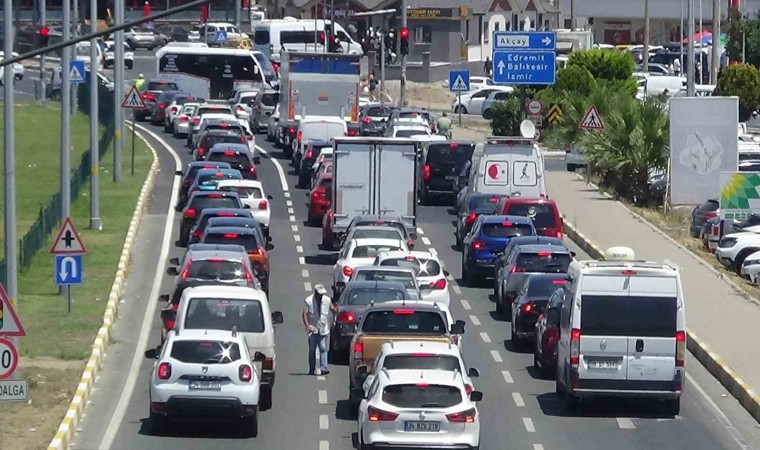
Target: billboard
x,y
704,141
739,195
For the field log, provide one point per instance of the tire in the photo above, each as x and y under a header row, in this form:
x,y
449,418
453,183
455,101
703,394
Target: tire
x,y
487,114
571,403
157,423
739,261
460,109
571,167
673,406
467,278
250,425
129,65
265,398
500,308
516,342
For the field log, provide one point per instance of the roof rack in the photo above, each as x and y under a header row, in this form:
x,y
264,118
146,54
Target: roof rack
x,y
642,264
511,140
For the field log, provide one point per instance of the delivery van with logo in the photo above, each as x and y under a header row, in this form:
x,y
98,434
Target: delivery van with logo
x,y
512,166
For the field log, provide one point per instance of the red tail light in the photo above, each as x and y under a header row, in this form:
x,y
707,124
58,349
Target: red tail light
x,y
426,172
348,270
183,119
263,204
527,308
186,272
403,312
438,284
252,170
164,371
560,282
148,96
229,153
248,275
680,348
516,269
468,389
230,235
544,254
215,196
378,415
366,120
198,233
352,132
243,140
410,244
201,150
462,417
346,317
358,350
470,219
478,245
292,130
309,154
300,136
196,120
169,325
268,364
245,372
575,346
162,106
190,213
173,109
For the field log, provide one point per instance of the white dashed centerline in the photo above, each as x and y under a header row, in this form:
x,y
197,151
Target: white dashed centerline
x,y
518,399
302,260
290,211
419,231
475,321
456,289
292,218
496,356
322,397
486,338
299,249
625,423
324,445
425,240
323,422
528,422
507,377
466,305
297,238
307,286
538,447
305,273
294,227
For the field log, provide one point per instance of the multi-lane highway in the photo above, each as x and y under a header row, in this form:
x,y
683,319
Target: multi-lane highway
x,y
520,410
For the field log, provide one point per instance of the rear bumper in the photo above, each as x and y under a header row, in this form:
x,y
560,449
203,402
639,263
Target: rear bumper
x,y
204,408
626,388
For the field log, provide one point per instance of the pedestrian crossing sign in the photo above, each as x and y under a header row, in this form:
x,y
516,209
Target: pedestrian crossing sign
x,y
459,80
592,120
220,37
76,72
133,100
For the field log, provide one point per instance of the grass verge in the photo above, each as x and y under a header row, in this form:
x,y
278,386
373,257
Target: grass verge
x,y
57,344
38,135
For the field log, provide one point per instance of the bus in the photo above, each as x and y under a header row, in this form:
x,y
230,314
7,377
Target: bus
x,y
213,73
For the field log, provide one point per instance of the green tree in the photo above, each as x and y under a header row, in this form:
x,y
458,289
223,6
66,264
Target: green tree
x,y
575,78
734,29
604,64
743,81
505,117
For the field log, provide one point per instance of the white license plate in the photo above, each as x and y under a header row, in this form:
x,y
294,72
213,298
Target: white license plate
x,y
425,427
205,386
603,364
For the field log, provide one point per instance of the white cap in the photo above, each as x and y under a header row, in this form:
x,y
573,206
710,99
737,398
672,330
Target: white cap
x,y
320,289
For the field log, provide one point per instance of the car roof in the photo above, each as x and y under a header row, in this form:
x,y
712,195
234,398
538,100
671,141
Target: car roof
x,y
376,241
385,269
407,304
208,193
538,277
223,170
216,247
237,230
218,133
207,211
543,240
405,347
374,228
364,284
530,200
246,183
225,165
199,255
533,248
233,292
206,335
514,219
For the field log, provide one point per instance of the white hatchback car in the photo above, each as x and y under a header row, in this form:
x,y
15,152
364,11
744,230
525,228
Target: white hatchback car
x,y
252,195
360,252
204,374
430,274
181,120
419,408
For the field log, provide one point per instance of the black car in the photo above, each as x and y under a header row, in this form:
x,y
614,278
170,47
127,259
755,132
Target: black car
x,y
514,243
313,148
212,137
531,300
239,222
188,178
236,156
373,117
158,111
173,32
442,163
198,202
701,214
476,205
196,233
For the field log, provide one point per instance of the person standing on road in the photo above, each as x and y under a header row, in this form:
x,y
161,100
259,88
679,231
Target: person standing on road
x,y
140,82
316,320
443,125
372,86
488,67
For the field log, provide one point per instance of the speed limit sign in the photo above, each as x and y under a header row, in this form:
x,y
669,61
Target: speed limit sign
x,y
8,358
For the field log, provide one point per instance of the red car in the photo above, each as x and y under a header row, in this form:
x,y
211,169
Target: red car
x,y
544,212
547,336
320,199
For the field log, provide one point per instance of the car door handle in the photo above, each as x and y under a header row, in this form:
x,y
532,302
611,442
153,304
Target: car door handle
x,y
639,345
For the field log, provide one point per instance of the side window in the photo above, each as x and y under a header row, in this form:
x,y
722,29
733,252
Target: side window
x,y
376,364
373,388
481,94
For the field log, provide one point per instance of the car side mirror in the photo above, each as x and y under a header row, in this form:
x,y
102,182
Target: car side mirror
x,y
277,318
476,396
152,353
164,297
172,271
168,314
269,197
473,372
174,261
413,235
457,327
257,160
572,253
269,246
259,357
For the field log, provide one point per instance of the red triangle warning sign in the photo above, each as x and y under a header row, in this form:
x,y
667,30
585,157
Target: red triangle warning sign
x,y
133,100
592,120
67,241
9,323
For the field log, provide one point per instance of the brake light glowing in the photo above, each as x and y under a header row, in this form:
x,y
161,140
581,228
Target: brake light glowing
x,y
378,415
453,145
629,273
559,282
516,269
161,105
196,120
438,284
493,200
186,271
575,346
403,312
201,150
263,204
422,385
173,109
230,235
164,371
680,348
300,136
478,245
426,172
462,417
183,119
190,213
358,350
245,373
229,153
366,120
292,130
352,132
215,196
544,254
506,224
309,154
470,218
468,389
346,317
527,307
421,355
248,275
348,270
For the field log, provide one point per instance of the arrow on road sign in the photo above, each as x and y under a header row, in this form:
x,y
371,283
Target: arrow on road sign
x,y
501,67
547,40
68,242
133,100
592,120
9,325
68,270
68,262
555,113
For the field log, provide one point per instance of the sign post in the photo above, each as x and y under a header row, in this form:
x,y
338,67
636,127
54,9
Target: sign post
x,y
68,249
524,57
133,101
459,81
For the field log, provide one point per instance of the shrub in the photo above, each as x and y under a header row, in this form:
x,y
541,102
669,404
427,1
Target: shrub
x,y
575,78
743,81
604,64
505,117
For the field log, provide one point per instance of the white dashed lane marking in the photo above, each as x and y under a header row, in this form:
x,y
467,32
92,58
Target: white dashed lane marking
x,y
290,211
305,273
292,218
322,397
324,422
507,377
528,422
299,249
419,231
425,240
538,447
475,321
466,305
434,252
496,356
486,338
456,289
287,194
294,227
625,423
518,399
324,445
289,202
307,286
301,260
297,238
322,378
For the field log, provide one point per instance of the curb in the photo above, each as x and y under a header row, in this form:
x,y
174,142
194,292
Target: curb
x,y
66,430
696,346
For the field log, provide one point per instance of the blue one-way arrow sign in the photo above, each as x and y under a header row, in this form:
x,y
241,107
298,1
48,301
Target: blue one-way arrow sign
x,y
68,270
525,40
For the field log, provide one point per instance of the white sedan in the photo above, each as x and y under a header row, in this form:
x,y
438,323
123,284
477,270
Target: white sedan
x,y
252,196
361,252
429,271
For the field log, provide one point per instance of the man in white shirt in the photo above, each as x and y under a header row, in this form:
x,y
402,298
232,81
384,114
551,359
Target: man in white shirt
x,y
316,320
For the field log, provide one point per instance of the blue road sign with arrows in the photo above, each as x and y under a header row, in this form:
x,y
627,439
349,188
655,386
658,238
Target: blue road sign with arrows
x,y
76,72
459,80
525,40
68,270
524,57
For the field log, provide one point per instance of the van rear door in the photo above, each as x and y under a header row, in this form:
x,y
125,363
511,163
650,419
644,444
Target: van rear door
x,y
397,180
353,181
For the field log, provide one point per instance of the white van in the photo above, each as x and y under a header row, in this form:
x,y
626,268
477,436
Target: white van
x,y
512,166
316,128
622,332
270,36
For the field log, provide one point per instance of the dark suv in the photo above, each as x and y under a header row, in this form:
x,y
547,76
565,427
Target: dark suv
x,y
702,214
214,137
441,165
237,155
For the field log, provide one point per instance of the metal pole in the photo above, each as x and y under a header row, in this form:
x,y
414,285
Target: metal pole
x,y
680,38
382,68
94,114
715,60
237,13
43,14
9,160
68,298
572,15
75,33
118,91
402,87
690,48
701,66
645,55
459,102
316,25
65,158
134,129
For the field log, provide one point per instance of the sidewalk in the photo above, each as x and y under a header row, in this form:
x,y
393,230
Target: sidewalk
x,y
715,312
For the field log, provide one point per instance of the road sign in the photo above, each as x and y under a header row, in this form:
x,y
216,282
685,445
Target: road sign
x,y
534,107
555,113
524,67
9,323
592,120
133,100
14,391
68,270
525,40
67,241
76,72
8,358
459,80
538,120
220,37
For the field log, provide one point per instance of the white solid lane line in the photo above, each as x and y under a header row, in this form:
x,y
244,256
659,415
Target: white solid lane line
x,y
475,321
324,422
625,423
496,356
280,172
322,397
528,422
466,305
507,377
324,445
142,340
486,338
518,399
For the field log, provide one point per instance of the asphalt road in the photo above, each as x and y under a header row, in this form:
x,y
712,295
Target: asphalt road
x,y
520,410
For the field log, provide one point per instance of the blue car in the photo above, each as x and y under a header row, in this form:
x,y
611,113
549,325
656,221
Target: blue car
x,y
487,240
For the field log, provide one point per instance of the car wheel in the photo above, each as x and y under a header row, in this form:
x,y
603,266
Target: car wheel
x,y
673,406
467,277
150,49
265,398
250,425
487,114
571,167
129,64
460,110
513,336
157,423
500,310
571,403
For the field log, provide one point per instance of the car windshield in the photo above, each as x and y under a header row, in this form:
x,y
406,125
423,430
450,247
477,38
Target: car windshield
x,y
162,86
405,278
206,201
423,267
541,213
610,315
405,321
235,128
244,191
224,313
370,251
364,296
543,262
507,230
422,395
205,352
216,269
422,361
484,202
376,233
214,109
247,240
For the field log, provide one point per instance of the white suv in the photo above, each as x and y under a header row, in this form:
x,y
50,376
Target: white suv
x,y
429,270
398,411
204,374
735,247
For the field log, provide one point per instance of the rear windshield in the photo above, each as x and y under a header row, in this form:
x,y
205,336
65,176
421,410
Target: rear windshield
x,y
422,396
235,158
484,203
270,99
243,191
214,109
409,115
543,262
248,241
382,223
223,314
405,278
606,315
450,153
162,86
370,251
543,287
235,128
363,296
204,178
410,133
423,267
541,213
203,202
216,269
376,233
499,230
422,362
210,141
261,37
403,321
205,352
379,111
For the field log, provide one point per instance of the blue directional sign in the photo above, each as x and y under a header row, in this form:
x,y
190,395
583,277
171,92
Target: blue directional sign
x,y
220,37
68,270
76,72
524,57
459,80
525,40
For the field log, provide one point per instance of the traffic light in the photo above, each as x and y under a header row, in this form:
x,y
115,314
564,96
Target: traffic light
x,y
404,38
43,36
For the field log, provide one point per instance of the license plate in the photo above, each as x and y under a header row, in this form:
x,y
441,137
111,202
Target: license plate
x,y
205,386
425,427
451,177
603,364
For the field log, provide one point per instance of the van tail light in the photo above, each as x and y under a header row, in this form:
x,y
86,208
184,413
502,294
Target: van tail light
x,y
245,372
268,364
438,284
346,317
196,120
478,245
358,350
348,270
470,219
462,417
575,346
164,371
378,415
527,308
190,213
263,204
426,172
680,348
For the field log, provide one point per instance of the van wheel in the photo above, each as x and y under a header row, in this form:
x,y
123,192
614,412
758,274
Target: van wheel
x,y
571,402
673,406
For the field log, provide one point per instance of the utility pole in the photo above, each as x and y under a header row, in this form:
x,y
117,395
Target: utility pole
x,y
646,36
74,55
690,48
9,160
43,19
237,13
402,90
94,114
65,162
572,15
715,60
382,68
118,90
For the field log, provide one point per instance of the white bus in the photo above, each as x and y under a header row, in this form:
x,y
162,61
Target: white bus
x,y
213,73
